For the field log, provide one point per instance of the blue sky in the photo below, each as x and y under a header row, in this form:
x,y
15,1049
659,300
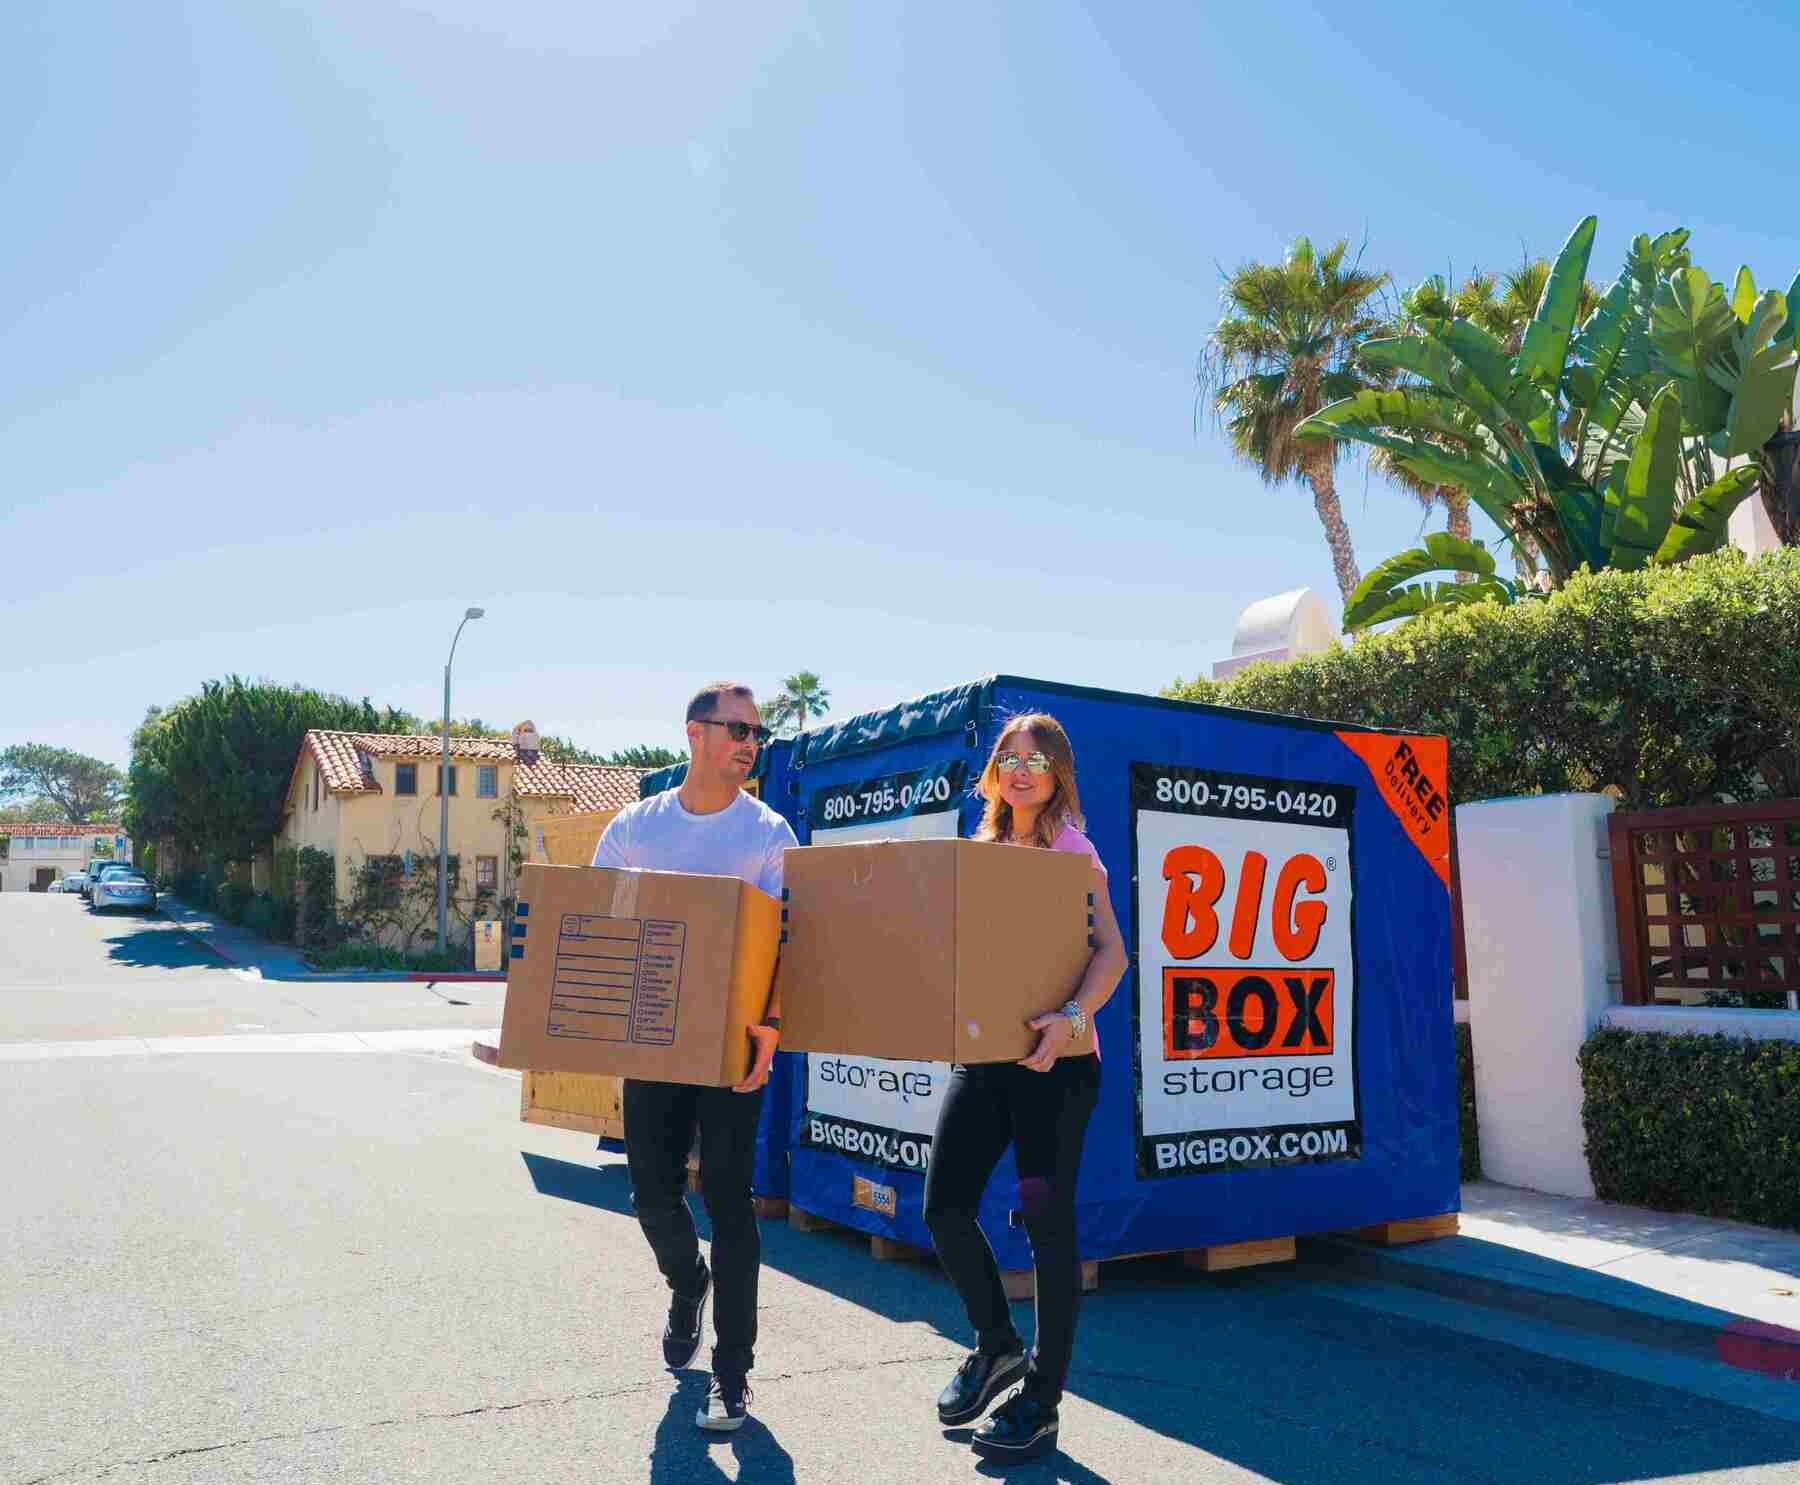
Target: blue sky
x,y
734,339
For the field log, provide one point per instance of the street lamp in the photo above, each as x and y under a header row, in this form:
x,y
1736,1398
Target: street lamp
x,y
444,791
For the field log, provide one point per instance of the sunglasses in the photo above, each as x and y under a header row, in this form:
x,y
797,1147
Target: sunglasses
x,y
1011,762
740,731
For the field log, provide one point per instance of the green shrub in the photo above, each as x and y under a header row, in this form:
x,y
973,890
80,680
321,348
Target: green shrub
x,y
1469,1129
1707,1124
271,917
1673,684
363,955
230,899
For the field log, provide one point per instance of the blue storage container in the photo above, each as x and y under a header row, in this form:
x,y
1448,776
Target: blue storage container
x,y
1279,1057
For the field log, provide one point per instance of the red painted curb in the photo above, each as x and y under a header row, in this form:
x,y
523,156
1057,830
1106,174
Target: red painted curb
x,y
489,976
208,945
485,1053
1755,1346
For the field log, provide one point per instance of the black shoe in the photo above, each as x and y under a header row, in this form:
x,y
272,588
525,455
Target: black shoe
x,y
727,1405
1021,1428
977,1383
687,1318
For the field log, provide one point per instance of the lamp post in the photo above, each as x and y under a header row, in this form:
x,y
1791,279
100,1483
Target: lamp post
x,y
443,872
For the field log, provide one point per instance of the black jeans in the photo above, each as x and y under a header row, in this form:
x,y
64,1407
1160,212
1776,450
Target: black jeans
x,y
1044,1117
660,1119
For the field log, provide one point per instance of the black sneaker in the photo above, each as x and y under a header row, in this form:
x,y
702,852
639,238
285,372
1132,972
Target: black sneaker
x,y
1021,1428
687,1318
978,1381
727,1405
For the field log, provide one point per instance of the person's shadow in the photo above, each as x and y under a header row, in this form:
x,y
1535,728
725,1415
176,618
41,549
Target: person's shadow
x,y
683,1453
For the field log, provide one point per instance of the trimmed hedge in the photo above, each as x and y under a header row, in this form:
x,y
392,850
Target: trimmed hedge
x,y
1707,1124
1469,1129
1674,685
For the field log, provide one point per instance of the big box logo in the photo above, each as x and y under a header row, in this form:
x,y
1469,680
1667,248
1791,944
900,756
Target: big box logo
x,y
1246,1025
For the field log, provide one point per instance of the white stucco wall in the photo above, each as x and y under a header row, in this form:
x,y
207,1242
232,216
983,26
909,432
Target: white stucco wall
x,y
1543,955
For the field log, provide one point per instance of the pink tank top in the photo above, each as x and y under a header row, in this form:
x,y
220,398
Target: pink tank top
x,y
1073,841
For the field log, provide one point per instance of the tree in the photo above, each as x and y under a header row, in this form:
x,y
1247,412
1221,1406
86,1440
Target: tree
x,y
1288,343
32,812
1608,446
211,771
83,789
645,755
801,698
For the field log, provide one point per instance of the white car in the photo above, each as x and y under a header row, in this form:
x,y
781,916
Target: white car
x,y
75,881
123,887
55,886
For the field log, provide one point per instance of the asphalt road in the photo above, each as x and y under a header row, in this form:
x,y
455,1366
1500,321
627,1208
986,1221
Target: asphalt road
x,y
281,1264
67,973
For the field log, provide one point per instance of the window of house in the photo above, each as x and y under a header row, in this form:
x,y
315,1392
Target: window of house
x,y
21,842
440,778
406,778
46,842
487,782
71,842
382,876
315,779
487,875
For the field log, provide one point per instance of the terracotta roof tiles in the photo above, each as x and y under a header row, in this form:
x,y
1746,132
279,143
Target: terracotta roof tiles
x,y
346,763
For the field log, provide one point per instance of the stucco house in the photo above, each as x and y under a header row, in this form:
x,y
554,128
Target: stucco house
x,y
35,854
371,801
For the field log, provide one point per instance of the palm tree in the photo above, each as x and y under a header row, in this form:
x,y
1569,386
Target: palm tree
x,y
1288,342
801,698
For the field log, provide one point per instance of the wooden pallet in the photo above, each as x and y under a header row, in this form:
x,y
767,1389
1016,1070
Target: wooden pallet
x,y
1410,1230
585,1102
1218,1258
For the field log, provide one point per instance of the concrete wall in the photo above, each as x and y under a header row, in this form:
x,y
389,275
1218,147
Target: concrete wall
x,y
1543,966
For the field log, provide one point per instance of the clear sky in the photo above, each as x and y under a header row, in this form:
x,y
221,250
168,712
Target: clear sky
x,y
726,341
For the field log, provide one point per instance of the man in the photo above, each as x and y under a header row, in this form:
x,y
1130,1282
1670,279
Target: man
x,y
708,826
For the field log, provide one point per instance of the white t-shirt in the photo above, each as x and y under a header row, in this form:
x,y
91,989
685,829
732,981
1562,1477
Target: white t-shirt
x,y
744,840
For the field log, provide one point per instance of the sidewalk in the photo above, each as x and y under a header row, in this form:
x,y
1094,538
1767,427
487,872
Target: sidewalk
x,y
244,950
1692,1285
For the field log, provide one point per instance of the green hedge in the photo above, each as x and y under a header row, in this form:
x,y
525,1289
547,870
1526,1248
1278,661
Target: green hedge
x,y
230,899
1470,1130
1707,1124
1673,684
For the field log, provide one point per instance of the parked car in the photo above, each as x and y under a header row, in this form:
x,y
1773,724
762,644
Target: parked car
x,y
75,881
57,885
123,887
91,872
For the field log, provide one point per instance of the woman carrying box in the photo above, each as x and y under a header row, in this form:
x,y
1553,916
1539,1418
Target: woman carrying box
x,y
1040,1106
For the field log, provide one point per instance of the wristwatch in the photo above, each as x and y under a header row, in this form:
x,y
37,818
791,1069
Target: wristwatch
x,y
1078,1018
773,1022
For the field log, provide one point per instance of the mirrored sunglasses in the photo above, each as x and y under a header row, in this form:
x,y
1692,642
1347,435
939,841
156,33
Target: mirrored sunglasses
x,y
1011,762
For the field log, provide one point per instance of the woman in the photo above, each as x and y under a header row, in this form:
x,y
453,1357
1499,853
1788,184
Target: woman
x,y
1040,1106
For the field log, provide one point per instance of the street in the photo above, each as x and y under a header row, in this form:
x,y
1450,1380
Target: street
x,y
275,1255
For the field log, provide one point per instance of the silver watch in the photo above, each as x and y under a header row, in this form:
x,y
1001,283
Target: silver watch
x,y
1077,1017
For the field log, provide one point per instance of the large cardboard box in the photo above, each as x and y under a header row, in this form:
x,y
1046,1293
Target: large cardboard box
x,y
639,974
937,950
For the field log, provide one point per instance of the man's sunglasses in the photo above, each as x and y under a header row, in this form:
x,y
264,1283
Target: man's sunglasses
x,y
1011,762
740,731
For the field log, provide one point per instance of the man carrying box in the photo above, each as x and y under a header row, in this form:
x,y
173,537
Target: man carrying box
x,y
708,826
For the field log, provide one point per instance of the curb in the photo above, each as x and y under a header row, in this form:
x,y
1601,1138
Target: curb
x,y
481,976
488,1052
206,943
1686,1329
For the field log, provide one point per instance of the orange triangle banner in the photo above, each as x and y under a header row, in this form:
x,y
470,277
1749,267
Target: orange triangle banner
x,y
1412,776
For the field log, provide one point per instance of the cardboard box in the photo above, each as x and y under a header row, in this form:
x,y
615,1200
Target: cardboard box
x,y
938,950
638,974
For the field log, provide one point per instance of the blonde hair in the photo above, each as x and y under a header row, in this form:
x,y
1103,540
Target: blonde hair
x,y
1064,806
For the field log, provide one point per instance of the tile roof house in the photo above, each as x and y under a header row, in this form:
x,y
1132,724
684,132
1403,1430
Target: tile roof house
x,y
371,800
35,853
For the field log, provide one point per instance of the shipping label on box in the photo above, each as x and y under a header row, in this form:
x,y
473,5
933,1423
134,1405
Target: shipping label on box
x,y
652,975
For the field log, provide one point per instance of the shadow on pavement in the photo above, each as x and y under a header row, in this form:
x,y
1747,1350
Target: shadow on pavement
x,y
151,942
683,1455
1260,1368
